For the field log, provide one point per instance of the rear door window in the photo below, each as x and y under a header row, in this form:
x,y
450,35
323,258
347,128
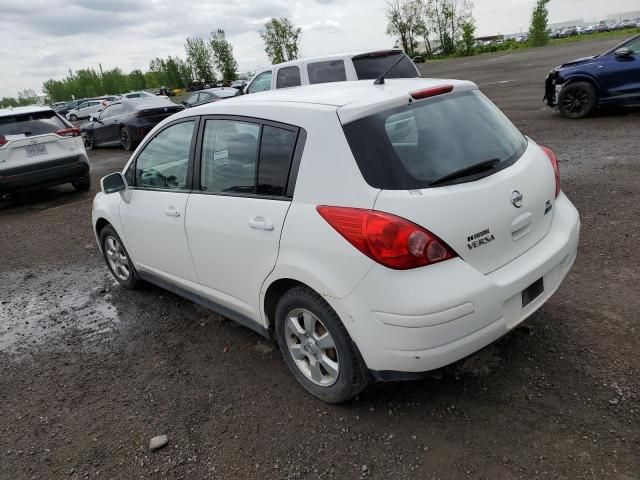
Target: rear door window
x,y
288,77
411,146
30,124
325,72
373,65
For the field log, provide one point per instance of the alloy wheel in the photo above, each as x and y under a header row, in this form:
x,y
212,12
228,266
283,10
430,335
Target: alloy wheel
x,y
125,139
575,100
117,258
312,348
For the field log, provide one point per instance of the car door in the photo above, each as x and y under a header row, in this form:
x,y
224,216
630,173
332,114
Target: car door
x,y
100,126
153,212
111,125
621,76
238,205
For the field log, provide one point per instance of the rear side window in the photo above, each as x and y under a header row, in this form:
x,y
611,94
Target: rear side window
x,y
372,66
30,124
325,72
229,156
276,152
411,146
288,77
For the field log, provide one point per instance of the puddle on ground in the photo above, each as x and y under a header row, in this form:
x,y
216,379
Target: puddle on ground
x,y
60,308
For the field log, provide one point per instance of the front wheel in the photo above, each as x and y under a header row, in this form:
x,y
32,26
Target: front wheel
x,y
316,347
577,100
117,258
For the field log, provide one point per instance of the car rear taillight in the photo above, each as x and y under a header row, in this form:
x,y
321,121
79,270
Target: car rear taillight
x,y
389,240
431,92
3,140
556,168
68,132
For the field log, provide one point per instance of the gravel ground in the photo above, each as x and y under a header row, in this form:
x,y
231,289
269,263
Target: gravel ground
x,y
89,372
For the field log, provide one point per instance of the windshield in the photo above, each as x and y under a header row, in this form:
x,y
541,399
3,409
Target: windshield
x,y
412,146
371,66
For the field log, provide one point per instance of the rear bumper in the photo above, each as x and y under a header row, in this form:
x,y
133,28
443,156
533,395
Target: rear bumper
x,y
407,322
65,171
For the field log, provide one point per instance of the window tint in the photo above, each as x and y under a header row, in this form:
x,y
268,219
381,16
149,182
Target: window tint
x,y
372,66
205,97
634,46
261,83
31,124
229,154
276,152
163,162
325,72
288,77
111,111
193,99
411,146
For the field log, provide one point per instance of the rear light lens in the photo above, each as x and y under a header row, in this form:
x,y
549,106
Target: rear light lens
x,y
3,140
389,240
556,168
431,92
68,132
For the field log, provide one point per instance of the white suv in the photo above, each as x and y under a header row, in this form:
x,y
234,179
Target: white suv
x,y
333,68
375,231
39,148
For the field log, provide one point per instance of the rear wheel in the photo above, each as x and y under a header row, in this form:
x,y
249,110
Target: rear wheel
x,y
73,117
125,139
89,142
316,347
117,258
82,184
577,100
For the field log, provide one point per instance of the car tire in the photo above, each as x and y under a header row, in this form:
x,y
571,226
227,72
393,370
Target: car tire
x,y
125,139
577,100
82,184
89,142
117,258
73,117
317,348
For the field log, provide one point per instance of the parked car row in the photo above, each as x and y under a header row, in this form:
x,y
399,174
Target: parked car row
x,y
600,27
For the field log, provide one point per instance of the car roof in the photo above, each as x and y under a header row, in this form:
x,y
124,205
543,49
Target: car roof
x,y
6,112
339,94
353,99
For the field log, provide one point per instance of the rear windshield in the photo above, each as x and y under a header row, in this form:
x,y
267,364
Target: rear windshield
x,y
413,146
373,65
29,124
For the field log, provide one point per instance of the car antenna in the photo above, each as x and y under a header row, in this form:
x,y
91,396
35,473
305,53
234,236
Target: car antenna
x,y
380,79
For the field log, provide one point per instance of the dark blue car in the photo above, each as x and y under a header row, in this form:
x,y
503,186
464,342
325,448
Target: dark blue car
x,y
613,78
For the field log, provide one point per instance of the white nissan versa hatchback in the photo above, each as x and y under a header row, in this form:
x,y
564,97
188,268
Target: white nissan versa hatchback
x,y
376,231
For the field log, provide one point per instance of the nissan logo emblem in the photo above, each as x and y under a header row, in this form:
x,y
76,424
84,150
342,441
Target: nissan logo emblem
x,y
516,198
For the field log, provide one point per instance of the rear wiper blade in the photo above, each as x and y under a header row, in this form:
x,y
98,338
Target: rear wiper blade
x,y
467,171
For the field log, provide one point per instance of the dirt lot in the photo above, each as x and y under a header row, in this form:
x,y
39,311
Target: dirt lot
x,y
90,372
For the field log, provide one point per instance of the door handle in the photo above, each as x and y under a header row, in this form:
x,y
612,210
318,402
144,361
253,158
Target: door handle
x,y
172,212
259,223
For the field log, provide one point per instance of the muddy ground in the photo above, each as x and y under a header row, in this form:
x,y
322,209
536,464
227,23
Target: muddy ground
x,y
90,372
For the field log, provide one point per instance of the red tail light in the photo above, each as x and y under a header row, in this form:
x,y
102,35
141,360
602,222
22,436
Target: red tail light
x,y
69,132
431,92
389,240
556,168
3,140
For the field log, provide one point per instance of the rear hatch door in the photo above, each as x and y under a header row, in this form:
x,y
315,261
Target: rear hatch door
x,y
423,155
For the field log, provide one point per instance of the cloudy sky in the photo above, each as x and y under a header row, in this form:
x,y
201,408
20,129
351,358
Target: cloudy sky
x,y
41,39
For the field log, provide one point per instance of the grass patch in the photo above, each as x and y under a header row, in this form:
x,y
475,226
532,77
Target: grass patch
x,y
629,32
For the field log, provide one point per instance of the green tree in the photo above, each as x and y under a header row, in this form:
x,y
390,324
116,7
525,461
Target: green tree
x,y
404,22
538,31
223,55
467,44
136,80
199,56
446,19
281,38
7,102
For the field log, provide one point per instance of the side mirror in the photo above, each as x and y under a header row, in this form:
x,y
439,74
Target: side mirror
x,y
113,183
623,52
